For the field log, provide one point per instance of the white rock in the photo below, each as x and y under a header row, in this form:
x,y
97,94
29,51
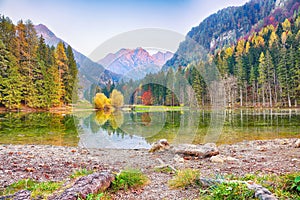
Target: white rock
x,y
229,158
178,159
160,145
216,159
297,143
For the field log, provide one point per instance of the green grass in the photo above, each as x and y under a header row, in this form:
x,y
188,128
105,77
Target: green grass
x,y
165,169
83,105
283,186
144,108
126,179
38,189
234,191
80,173
184,178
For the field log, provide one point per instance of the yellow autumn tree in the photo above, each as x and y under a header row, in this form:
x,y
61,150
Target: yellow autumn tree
x,y
116,119
101,101
273,38
240,47
286,25
102,117
117,99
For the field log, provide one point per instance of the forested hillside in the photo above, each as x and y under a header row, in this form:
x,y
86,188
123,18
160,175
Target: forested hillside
x,y
228,25
33,74
262,69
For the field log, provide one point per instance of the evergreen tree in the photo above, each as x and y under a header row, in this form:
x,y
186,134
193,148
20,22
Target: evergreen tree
x,y
72,86
283,77
10,93
270,76
262,77
62,64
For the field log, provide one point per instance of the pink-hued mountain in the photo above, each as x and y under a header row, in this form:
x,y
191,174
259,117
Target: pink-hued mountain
x,y
135,63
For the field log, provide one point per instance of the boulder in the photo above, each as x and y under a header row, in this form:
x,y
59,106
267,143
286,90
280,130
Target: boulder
x,y
160,145
202,151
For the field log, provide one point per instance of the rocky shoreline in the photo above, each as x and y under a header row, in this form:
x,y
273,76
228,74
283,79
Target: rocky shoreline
x,y
45,163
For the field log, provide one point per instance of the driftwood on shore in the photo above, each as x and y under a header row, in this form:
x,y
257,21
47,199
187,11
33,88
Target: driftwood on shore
x,y
203,151
92,183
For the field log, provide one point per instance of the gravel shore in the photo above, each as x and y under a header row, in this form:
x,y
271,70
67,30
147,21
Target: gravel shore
x,y
44,163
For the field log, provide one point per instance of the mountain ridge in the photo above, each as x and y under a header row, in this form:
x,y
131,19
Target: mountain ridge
x,y
89,72
135,63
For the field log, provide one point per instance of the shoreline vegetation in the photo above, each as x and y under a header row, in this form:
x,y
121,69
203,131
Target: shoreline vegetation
x,y
41,166
68,109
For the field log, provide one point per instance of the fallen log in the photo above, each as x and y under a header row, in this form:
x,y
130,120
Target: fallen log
x,y
203,151
93,183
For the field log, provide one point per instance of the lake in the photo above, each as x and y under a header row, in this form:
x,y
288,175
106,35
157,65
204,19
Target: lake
x,y
134,130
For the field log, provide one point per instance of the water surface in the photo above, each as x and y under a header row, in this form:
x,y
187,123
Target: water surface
x,y
139,130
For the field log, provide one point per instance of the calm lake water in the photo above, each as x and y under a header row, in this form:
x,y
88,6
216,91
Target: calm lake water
x,y
139,130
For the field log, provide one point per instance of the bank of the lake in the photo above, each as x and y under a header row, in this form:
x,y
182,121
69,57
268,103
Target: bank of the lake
x,y
45,163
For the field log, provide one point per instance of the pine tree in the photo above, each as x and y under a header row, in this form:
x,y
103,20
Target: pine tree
x,y
26,54
8,34
283,77
72,86
270,76
62,64
10,93
253,82
170,81
262,77
240,74
197,86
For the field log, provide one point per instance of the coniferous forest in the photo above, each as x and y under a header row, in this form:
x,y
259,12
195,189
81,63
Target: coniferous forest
x,y
261,69
33,74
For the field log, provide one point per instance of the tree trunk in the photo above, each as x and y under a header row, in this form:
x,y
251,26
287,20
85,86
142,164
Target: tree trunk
x,y
275,89
246,95
241,96
263,97
270,95
253,94
289,100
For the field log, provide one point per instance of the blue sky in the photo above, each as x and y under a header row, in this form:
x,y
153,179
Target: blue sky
x,y
86,24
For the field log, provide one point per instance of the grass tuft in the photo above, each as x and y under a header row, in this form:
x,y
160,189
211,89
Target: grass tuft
x,y
237,191
184,178
38,189
131,178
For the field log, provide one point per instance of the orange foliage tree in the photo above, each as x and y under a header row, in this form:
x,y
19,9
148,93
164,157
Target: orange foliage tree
x,y
147,97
